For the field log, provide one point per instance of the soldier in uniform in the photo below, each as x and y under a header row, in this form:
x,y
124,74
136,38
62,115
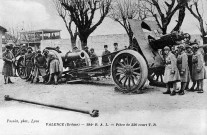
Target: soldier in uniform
x,y
189,53
40,66
116,47
94,58
8,59
198,69
53,66
29,60
182,62
171,75
105,56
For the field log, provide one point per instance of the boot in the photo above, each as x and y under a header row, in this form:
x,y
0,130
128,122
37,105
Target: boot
x,y
181,92
167,92
9,81
173,93
200,91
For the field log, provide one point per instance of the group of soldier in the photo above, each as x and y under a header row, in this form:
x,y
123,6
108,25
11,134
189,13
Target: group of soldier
x,y
183,65
47,64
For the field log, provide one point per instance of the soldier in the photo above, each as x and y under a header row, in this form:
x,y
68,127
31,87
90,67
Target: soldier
x,y
29,57
53,66
198,69
116,47
171,75
182,62
189,53
86,50
40,66
8,59
105,56
94,58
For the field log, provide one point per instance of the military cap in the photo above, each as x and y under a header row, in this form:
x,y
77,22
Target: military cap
x,y
167,48
105,46
29,48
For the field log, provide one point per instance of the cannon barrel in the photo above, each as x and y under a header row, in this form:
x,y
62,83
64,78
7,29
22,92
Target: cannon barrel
x,y
71,56
168,40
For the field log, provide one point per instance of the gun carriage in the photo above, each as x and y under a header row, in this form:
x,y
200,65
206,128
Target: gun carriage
x,y
130,68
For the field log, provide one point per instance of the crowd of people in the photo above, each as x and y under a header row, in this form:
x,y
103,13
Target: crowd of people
x,y
184,65
47,64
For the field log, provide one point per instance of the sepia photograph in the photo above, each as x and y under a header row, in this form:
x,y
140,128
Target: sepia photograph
x,y
103,67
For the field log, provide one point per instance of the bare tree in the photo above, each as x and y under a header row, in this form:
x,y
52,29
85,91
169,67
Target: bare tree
x,y
82,12
197,12
66,17
122,10
164,10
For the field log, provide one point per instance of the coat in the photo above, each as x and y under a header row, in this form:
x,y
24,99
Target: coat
x,y
182,62
8,66
198,69
106,57
171,71
94,59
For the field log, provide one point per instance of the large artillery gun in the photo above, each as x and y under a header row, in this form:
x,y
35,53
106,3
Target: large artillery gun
x,y
129,68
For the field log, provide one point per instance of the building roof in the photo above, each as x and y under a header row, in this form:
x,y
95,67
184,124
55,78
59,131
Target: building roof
x,y
3,29
41,30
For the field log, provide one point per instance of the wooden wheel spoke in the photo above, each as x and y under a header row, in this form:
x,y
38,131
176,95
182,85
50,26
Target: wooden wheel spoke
x,y
131,61
157,78
161,78
135,73
135,77
124,61
120,69
125,81
121,64
132,78
121,78
119,73
129,82
136,69
134,64
127,60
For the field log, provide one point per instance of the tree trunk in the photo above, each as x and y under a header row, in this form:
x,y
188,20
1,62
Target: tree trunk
x,y
180,19
202,29
164,30
83,40
73,42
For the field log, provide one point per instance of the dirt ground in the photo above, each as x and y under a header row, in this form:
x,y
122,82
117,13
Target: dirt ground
x,y
185,114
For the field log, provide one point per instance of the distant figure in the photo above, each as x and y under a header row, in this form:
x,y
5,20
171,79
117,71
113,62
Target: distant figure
x,y
8,59
58,49
125,47
94,58
75,49
116,47
86,50
105,56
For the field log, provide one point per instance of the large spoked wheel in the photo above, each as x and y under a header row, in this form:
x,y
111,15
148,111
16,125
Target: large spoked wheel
x,y
129,71
156,76
21,68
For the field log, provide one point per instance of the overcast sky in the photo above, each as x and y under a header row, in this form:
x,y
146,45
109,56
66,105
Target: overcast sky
x,y
41,14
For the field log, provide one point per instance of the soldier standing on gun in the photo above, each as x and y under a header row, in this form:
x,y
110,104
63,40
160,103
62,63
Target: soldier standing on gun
x,y
171,75
198,70
182,62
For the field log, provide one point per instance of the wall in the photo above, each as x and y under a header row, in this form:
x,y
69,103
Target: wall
x,y
96,42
